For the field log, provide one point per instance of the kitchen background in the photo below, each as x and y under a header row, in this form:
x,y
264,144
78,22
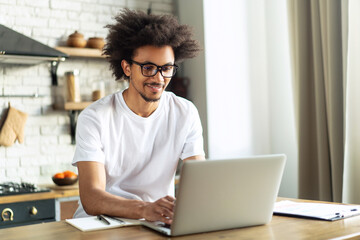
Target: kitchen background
x,y
47,147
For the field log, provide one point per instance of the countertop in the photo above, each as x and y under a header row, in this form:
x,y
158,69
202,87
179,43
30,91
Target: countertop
x,y
56,192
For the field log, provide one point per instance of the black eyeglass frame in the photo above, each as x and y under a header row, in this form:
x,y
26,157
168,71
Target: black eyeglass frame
x,y
158,68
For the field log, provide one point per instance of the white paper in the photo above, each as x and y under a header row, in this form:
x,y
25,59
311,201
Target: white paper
x,y
92,223
322,211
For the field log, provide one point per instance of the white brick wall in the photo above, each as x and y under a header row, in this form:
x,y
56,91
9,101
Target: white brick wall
x,y
47,147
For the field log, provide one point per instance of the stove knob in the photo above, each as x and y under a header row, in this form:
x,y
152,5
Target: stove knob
x,y
33,211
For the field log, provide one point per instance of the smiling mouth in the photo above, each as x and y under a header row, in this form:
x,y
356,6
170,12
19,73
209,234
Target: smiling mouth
x,y
155,86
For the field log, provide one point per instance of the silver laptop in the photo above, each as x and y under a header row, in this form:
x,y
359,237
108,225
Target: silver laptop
x,y
224,194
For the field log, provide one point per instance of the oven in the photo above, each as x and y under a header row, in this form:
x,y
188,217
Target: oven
x,y
24,212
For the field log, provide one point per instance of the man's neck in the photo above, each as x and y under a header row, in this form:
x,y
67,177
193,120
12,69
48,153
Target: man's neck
x,y
138,105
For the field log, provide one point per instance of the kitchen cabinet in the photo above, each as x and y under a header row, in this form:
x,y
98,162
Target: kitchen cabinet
x,y
68,208
58,204
27,212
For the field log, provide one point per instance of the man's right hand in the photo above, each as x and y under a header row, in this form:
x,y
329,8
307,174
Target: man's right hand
x,y
96,200
161,210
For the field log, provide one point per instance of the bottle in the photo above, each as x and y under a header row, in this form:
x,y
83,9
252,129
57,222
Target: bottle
x,y
72,86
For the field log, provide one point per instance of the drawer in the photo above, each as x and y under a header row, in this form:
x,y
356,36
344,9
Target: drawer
x,y
28,212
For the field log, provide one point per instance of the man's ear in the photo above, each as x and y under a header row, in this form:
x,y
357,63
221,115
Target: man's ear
x,y
126,67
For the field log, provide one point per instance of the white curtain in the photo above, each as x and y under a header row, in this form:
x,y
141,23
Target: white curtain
x,y
351,182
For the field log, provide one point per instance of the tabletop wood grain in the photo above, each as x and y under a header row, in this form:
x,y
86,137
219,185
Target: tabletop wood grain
x,y
280,227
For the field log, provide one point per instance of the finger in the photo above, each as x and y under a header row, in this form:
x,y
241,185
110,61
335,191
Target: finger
x,y
164,202
165,220
166,213
170,198
163,211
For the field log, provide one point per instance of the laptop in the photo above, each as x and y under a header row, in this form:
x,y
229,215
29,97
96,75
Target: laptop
x,y
224,194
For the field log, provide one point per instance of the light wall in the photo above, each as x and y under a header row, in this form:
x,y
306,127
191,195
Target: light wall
x,y
282,117
244,93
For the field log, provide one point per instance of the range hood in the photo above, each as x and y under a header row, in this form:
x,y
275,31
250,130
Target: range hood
x,y
17,48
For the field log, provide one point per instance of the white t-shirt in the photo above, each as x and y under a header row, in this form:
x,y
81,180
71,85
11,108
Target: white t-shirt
x,y
140,154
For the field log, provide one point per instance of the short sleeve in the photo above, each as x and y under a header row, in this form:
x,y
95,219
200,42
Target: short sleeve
x,y
88,138
194,143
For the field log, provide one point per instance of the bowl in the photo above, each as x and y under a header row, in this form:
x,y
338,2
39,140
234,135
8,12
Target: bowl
x,y
65,181
96,42
76,40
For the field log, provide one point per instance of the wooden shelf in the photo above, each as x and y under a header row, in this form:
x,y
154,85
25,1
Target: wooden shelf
x,y
76,105
81,52
74,108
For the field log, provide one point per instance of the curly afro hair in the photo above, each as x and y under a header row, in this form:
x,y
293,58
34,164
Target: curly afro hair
x,y
134,29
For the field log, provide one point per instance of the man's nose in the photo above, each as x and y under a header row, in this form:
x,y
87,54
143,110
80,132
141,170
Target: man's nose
x,y
159,77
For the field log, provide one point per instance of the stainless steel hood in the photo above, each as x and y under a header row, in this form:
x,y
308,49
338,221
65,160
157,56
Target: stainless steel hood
x,y
17,48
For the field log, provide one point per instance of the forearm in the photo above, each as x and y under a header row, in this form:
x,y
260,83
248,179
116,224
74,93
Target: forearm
x,y
95,200
196,157
98,201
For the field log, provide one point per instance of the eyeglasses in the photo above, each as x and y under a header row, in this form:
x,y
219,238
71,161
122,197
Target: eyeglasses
x,y
151,69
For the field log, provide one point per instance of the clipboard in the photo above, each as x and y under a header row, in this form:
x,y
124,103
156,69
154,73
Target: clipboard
x,y
320,211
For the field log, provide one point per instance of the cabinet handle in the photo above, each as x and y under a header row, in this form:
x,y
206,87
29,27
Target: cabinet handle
x,y
33,211
7,214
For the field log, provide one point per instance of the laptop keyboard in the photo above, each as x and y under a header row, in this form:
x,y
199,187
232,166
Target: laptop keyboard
x,y
165,225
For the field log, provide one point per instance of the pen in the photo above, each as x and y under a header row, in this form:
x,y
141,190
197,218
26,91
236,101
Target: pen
x,y
116,219
103,219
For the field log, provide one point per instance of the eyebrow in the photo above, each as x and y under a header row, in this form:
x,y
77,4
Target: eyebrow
x,y
166,64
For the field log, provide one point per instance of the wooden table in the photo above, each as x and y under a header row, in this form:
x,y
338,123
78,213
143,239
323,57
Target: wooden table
x,y
279,228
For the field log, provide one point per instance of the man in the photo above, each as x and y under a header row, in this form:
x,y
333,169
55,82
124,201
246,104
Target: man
x,y
129,143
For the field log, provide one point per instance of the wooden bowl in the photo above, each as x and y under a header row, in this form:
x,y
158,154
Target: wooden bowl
x,y
76,40
65,181
96,42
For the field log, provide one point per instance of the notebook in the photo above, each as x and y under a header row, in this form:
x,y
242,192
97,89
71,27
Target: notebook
x,y
92,223
224,194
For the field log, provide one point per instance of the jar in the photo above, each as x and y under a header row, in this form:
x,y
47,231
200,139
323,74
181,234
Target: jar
x,y
72,86
98,90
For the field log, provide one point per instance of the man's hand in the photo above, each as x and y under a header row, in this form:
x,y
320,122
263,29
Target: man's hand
x,y
161,210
